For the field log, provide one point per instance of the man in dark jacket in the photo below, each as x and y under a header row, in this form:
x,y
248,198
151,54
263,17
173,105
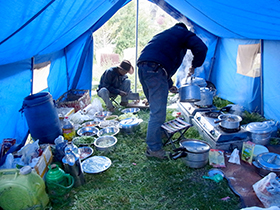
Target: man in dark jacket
x,y
158,62
114,82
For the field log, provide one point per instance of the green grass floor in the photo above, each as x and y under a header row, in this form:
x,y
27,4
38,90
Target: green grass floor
x,y
135,182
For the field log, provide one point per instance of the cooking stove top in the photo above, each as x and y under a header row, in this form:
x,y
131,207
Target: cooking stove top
x,y
190,109
217,136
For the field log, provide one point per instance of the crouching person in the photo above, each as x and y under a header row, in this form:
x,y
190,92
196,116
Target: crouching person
x,y
114,82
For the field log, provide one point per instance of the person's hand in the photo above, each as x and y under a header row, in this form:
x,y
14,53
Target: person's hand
x,y
191,71
173,89
122,93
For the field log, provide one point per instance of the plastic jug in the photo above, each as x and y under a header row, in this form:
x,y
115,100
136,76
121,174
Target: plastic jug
x,y
22,189
59,184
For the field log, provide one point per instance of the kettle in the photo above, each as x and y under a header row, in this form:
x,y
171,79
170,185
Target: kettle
x,y
189,92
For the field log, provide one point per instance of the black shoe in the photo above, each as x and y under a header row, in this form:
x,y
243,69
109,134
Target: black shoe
x,y
161,154
124,103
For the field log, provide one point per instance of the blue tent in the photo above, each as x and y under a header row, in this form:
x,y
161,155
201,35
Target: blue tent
x,y
60,32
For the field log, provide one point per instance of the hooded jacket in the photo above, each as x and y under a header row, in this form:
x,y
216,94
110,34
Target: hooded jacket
x,y
169,47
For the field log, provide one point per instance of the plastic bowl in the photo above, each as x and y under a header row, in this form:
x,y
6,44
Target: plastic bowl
x,y
105,143
87,131
85,152
108,131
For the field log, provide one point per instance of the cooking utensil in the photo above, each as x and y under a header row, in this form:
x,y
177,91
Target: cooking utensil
x,y
229,121
189,92
194,152
108,131
260,132
206,97
105,143
266,163
130,125
87,131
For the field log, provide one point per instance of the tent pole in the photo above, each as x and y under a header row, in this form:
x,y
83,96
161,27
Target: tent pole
x,y
261,77
32,74
136,44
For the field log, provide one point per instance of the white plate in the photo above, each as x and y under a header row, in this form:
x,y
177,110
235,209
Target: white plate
x,y
259,149
96,164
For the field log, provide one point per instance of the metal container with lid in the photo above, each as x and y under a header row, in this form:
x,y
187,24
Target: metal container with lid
x,y
130,125
195,153
267,162
260,132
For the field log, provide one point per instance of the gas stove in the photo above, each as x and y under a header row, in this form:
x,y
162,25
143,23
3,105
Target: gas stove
x,y
189,110
217,136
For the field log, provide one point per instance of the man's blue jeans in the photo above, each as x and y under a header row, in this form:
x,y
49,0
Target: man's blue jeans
x,y
155,87
106,95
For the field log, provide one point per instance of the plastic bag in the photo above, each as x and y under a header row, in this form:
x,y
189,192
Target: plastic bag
x,y
216,158
268,190
29,151
234,157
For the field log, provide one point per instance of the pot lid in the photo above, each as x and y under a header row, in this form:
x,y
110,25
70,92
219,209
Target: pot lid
x,y
195,146
258,127
269,161
230,117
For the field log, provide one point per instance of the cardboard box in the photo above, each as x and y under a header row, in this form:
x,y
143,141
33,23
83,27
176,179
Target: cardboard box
x,y
45,160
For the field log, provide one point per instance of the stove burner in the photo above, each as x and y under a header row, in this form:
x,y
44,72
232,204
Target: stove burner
x,y
230,130
212,114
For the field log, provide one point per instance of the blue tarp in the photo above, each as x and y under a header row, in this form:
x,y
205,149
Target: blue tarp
x,y
61,32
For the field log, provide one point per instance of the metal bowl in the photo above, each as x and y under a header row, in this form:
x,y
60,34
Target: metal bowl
x,y
88,131
108,131
105,143
85,152
95,122
81,141
130,125
102,115
130,110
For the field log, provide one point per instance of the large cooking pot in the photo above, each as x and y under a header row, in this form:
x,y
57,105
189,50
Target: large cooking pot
x,y
195,153
189,92
206,97
229,121
260,132
267,162
129,125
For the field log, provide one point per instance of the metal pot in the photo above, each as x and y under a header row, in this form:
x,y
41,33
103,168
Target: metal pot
x,y
260,132
267,162
206,97
130,125
189,92
229,121
195,153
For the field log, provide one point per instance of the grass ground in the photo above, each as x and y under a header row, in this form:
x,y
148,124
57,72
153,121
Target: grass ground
x,y
135,182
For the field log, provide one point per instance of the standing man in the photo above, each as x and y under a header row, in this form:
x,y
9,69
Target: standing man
x,y
158,62
114,82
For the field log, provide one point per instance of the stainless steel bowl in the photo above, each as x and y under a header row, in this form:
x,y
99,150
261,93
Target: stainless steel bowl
x,y
130,125
95,122
105,143
88,131
130,110
102,115
108,131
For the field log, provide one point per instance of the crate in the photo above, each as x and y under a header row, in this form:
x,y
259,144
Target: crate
x,y
77,99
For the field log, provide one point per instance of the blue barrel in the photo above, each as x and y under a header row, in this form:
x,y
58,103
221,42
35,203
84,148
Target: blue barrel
x,y
42,117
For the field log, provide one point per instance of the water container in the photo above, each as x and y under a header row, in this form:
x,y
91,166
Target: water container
x,y
42,117
22,189
59,184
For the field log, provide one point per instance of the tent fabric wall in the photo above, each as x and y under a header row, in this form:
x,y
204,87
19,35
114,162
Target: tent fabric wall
x,y
237,88
56,31
60,31
271,79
